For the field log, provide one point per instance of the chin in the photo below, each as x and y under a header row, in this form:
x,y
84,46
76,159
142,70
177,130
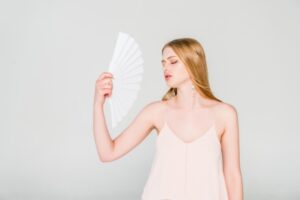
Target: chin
x,y
172,85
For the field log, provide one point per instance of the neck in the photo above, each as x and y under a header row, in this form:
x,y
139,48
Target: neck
x,y
188,98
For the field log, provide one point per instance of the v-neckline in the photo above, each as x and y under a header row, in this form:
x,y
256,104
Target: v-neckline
x,y
200,137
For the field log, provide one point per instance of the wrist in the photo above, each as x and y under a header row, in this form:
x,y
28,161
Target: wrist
x,y
98,105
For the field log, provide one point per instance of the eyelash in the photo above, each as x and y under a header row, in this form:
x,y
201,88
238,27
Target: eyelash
x,y
172,62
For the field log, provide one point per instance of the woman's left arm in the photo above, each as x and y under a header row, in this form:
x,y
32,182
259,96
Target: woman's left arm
x,y
231,154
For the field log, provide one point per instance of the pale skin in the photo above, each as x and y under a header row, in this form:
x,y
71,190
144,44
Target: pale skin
x,y
188,103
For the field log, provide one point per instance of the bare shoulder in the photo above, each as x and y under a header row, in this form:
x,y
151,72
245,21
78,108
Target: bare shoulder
x,y
226,115
226,112
154,112
225,108
153,109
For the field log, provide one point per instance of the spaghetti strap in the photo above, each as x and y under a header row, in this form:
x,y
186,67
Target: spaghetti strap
x,y
165,115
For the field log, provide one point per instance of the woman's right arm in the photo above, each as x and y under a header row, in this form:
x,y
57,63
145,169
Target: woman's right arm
x,y
111,149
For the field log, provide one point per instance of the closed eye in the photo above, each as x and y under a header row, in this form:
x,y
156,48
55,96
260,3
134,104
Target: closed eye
x,y
174,62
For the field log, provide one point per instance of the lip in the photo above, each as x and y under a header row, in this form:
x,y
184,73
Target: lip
x,y
167,76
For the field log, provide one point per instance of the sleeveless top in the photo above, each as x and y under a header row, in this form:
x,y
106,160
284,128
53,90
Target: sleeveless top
x,y
186,170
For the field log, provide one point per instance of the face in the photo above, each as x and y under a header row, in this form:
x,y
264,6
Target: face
x,y
174,70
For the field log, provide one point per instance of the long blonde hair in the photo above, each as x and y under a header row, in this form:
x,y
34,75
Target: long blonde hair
x,y
191,53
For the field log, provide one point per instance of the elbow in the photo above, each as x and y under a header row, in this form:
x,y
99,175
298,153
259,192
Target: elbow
x,y
105,159
108,157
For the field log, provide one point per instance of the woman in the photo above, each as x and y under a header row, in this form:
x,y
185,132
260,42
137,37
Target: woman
x,y
197,147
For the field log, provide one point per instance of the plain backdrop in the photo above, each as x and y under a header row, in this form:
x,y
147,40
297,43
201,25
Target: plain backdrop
x,y
52,52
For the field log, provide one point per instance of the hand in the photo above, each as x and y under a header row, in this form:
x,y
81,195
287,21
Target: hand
x,y
103,87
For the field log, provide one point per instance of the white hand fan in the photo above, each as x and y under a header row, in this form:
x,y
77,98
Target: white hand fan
x,y
127,68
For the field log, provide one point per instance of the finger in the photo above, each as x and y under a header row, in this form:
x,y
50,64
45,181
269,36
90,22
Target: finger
x,y
105,78
107,92
106,74
107,84
107,81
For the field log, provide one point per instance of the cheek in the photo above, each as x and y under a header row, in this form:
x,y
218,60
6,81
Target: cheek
x,y
179,75
182,72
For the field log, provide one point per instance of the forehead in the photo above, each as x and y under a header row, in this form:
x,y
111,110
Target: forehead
x,y
168,51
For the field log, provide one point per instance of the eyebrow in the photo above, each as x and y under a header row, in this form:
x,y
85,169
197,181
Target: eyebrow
x,y
168,58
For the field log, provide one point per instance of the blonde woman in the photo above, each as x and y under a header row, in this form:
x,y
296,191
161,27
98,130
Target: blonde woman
x,y
197,148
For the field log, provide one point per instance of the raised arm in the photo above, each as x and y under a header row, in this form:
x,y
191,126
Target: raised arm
x,y
111,149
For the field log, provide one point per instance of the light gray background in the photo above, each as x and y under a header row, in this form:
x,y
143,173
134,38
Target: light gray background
x,y
53,51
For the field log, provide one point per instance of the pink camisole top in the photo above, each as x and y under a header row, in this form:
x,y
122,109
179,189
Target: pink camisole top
x,y
186,170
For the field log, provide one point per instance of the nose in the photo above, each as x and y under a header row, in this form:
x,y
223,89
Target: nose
x,y
165,67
